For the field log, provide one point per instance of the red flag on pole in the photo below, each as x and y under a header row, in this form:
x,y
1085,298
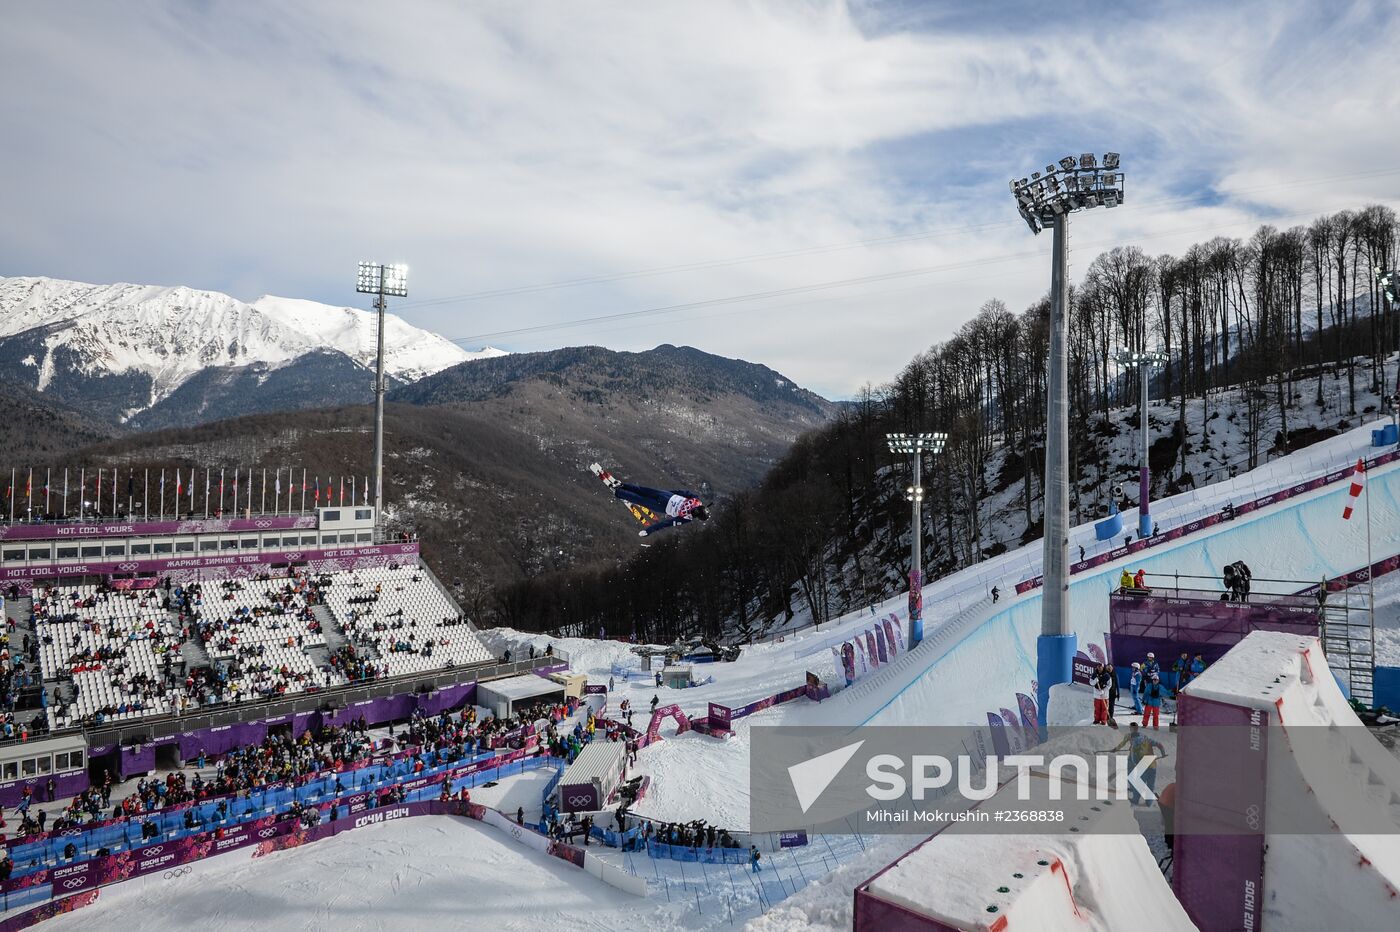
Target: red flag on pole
x,y
1358,482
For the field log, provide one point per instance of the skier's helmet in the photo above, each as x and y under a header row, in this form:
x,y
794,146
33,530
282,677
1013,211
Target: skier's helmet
x,y
702,512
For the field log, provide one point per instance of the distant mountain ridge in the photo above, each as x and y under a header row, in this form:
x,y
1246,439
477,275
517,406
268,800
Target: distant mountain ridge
x,y
593,373
488,461
152,356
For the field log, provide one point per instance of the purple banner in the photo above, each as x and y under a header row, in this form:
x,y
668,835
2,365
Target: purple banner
x,y
154,528
896,632
880,644
848,662
1169,625
1218,873
916,597
579,797
792,839
870,653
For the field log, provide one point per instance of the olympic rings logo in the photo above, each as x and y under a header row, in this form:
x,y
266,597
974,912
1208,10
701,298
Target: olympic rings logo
x,y
1251,817
267,833
154,849
128,566
178,872
262,523
73,883
580,800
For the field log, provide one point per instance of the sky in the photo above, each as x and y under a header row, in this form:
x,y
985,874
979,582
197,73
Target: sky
x,y
820,187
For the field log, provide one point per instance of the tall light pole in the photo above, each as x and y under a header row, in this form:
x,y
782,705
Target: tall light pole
x,y
1388,280
381,281
915,446
1047,201
1144,361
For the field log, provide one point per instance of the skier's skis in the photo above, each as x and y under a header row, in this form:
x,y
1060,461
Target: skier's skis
x,y
608,478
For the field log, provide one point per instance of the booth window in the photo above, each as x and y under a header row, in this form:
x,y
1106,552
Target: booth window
x,y
116,550
208,545
67,553
40,553
181,546
362,514
29,767
12,556
92,551
140,549
11,770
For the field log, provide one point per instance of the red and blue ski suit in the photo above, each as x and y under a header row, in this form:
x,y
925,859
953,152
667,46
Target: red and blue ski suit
x,y
676,505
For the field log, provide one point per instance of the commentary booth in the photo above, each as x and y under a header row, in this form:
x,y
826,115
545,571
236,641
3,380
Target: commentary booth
x,y
504,696
591,779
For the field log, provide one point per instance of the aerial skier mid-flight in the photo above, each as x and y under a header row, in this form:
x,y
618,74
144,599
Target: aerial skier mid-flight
x,y
657,509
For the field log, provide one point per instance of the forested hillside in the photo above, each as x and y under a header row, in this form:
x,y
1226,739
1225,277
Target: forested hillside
x,y
1272,345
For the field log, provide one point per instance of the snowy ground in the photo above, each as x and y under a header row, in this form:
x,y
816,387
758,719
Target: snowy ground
x,y
435,872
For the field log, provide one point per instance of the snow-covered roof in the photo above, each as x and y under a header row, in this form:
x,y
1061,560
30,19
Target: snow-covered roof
x,y
525,686
598,762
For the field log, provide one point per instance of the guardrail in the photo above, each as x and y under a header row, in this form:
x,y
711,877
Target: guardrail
x,y
148,730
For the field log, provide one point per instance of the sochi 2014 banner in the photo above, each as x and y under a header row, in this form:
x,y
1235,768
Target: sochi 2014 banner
x,y
870,649
916,595
896,632
848,662
880,644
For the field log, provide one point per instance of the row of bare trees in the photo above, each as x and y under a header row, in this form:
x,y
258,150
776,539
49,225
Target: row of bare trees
x,y
827,530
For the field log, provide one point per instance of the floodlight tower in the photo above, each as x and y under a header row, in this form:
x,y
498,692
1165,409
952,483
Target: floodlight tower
x,y
915,446
1144,361
1047,201
1389,281
381,281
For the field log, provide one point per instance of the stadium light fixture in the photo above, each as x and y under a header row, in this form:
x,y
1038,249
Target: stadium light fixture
x,y
382,281
915,446
1078,185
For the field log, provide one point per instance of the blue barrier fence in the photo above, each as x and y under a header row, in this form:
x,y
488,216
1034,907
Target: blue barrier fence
x,y
29,896
698,855
170,825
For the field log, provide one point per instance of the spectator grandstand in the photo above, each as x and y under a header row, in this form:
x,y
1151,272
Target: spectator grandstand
x,y
400,614
111,654
113,646
259,631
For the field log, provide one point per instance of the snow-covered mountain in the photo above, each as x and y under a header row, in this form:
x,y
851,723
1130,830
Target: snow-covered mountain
x,y
127,351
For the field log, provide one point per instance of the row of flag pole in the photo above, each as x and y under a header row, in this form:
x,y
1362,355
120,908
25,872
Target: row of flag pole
x,y
23,496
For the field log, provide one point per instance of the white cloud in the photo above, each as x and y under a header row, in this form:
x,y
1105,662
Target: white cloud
x,y
259,147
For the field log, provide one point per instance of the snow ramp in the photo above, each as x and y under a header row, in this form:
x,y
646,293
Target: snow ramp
x,y
1102,878
1288,812
988,655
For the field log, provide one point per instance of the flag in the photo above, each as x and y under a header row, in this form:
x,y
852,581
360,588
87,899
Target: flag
x,y
317,496
340,492
29,483
1358,482
179,486
366,490
277,484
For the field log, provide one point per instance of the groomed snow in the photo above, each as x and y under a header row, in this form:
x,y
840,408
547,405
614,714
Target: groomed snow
x,y
430,872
